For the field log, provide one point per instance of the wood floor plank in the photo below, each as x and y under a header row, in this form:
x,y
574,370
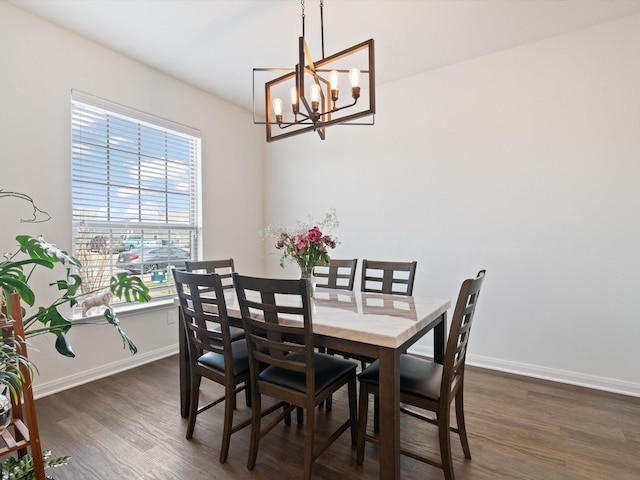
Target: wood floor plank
x,y
128,426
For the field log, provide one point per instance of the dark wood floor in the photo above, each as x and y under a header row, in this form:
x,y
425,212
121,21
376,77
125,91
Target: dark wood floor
x,y
128,426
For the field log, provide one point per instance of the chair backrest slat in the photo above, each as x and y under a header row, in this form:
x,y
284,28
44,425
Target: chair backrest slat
x,y
203,305
267,307
337,274
386,277
224,268
456,349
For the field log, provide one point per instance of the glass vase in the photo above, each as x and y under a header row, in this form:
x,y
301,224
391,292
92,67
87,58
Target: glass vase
x,y
307,274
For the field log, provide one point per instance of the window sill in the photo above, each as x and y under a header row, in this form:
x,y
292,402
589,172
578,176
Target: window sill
x,y
126,309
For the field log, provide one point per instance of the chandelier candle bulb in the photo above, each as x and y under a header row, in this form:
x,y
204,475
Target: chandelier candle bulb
x,y
277,109
314,91
315,98
354,78
334,86
293,94
334,79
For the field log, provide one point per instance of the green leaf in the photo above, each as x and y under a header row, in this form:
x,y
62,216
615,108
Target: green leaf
x,y
129,288
59,326
39,248
63,346
10,285
126,341
70,285
13,279
22,468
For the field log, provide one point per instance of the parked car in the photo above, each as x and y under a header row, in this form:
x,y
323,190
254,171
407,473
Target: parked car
x,y
106,244
131,241
149,258
136,240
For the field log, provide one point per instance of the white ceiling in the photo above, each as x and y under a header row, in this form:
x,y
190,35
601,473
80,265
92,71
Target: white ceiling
x,y
215,44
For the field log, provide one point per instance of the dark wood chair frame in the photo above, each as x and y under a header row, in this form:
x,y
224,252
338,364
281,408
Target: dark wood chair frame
x,y
197,322
384,274
288,351
224,268
334,276
451,381
338,274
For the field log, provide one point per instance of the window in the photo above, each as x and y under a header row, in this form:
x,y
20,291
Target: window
x,y
135,193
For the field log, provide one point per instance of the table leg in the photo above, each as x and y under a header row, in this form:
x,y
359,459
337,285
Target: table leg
x,y
185,368
389,448
440,339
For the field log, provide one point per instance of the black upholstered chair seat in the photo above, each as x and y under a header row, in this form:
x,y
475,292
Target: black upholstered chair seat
x,y
327,370
240,358
235,333
418,377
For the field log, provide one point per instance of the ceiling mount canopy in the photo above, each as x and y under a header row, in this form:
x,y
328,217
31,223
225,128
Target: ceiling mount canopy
x,y
312,89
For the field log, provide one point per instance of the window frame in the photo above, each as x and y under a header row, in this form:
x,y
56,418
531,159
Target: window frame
x,y
176,228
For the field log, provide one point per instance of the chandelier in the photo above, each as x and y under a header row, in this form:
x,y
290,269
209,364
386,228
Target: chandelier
x,y
312,88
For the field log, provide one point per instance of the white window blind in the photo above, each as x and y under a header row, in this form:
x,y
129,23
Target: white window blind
x,y
135,188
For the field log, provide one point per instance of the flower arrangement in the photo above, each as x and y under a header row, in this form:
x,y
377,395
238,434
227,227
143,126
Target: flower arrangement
x,y
307,243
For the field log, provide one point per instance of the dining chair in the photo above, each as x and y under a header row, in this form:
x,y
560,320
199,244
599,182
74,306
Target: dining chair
x,y
430,386
395,278
279,331
388,277
383,277
225,269
337,274
212,353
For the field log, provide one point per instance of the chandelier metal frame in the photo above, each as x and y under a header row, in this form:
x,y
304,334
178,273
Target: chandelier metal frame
x,y
317,113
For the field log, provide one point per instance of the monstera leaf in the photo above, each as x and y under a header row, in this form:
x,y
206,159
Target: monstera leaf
x,y
39,248
129,288
15,274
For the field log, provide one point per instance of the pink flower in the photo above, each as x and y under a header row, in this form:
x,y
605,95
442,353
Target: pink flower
x,y
329,241
314,235
299,242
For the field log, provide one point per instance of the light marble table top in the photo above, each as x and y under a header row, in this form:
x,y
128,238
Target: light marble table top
x,y
373,318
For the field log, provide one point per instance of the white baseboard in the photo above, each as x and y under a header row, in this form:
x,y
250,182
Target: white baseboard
x,y
562,376
535,371
49,388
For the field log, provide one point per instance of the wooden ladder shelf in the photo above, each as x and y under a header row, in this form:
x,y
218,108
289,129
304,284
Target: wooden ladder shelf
x,y
22,433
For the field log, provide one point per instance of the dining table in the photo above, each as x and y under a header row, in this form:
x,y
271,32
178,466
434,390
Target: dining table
x,y
374,325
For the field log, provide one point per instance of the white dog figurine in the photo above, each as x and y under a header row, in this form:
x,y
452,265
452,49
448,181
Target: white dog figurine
x,y
103,299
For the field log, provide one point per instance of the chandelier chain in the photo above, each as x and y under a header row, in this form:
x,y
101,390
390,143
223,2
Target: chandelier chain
x,y
321,23
322,27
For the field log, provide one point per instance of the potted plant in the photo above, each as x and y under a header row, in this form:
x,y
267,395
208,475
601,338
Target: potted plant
x,y
17,268
22,468
31,254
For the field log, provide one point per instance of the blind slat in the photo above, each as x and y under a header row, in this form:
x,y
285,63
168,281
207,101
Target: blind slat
x,y
134,180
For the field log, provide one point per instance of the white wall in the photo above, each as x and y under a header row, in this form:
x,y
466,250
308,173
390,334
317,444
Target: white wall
x,y
39,65
526,163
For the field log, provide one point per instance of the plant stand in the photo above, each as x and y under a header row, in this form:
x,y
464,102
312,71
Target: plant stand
x,y
22,433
